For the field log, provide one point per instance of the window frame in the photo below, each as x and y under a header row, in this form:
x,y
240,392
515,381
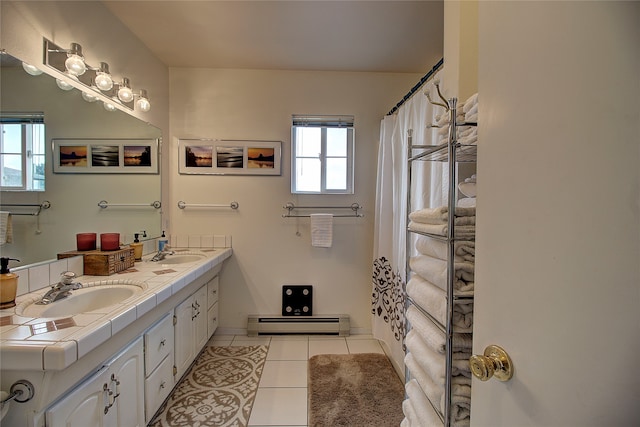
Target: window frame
x,y
324,123
26,121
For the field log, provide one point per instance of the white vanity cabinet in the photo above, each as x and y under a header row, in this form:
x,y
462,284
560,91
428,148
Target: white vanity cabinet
x,y
158,364
212,305
190,329
114,396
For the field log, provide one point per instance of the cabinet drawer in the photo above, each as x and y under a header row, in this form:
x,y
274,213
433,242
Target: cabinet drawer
x,y
212,291
212,319
157,387
158,342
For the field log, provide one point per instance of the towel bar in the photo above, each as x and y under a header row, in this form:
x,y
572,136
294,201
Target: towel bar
x,y
355,207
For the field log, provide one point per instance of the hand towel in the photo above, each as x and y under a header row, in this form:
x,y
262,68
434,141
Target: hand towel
x,y
433,337
6,229
464,250
424,412
321,230
434,270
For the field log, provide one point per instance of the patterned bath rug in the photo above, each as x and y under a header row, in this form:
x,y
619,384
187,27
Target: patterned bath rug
x,y
354,390
218,390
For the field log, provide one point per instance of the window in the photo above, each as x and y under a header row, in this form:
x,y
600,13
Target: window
x,y
322,155
22,151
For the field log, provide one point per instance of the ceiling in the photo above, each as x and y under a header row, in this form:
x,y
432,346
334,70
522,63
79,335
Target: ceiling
x,y
326,35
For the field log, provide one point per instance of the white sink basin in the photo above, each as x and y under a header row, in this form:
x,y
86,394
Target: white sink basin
x,y
182,259
81,301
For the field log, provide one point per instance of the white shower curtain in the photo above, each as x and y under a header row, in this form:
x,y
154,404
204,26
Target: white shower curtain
x,y
389,261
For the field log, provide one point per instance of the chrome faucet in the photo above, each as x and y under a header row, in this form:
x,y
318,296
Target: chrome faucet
x,y
62,289
162,254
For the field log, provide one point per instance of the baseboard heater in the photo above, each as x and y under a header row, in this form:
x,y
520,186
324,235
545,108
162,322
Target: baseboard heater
x,y
282,325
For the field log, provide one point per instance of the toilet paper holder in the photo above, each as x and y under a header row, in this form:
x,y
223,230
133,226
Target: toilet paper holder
x,y
21,391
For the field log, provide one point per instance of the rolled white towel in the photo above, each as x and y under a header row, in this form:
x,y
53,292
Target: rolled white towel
x,y
464,250
433,337
440,215
472,110
433,364
468,140
424,412
434,270
470,102
433,391
467,130
471,118
434,301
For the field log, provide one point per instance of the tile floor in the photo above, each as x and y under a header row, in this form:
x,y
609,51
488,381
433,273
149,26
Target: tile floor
x,y
282,394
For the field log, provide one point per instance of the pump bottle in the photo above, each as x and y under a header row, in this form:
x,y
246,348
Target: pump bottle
x,y
8,284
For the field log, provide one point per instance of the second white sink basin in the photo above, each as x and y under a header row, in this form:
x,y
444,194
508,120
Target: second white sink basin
x,y
82,301
182,259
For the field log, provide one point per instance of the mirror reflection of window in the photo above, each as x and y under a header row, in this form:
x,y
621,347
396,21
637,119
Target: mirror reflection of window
x,y
22,152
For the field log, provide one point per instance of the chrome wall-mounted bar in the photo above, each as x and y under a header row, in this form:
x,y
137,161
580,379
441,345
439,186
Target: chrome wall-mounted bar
x,y
104,204
355,207
182,205
44,205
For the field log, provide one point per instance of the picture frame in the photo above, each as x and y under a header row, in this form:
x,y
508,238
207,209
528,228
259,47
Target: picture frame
x,y
229,157
105,156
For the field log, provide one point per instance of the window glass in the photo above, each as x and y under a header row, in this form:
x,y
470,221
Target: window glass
x,y
22,155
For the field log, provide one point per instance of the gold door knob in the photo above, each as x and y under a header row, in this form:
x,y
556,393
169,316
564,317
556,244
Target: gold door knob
x,y
494,363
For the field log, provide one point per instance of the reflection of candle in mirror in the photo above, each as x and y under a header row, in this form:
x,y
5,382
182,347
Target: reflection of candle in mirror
x,y
86,241
109,241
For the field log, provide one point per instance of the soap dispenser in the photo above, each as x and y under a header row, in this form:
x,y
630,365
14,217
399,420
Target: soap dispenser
x,y
8,284
137,247
162,242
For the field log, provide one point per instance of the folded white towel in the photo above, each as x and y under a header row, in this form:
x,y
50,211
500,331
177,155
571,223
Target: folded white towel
x,y
321,230
466,202
471,118
425,415
434,301
461,232
460,404
472,178
468,140
6,229
472,110
470,102
464,250
467,130
434,270
440,215
433,391
433,364
433,337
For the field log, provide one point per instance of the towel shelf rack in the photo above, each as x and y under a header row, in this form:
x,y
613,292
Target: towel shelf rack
x,y
44,205
355,207
232,205
104,204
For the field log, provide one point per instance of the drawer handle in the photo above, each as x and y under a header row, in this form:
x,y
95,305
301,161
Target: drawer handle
x,y
162,384
163,342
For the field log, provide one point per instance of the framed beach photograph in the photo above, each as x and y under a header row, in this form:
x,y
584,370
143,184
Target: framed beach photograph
x,y
229,157
105,155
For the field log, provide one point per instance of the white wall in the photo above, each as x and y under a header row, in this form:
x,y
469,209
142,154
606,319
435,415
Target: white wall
x,y
251,104
558,225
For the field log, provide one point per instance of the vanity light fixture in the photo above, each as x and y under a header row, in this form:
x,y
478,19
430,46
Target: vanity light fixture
x,y
109,106
31,69
65,85
125,94
95,83
103,79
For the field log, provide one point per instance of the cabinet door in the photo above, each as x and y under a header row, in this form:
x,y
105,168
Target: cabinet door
x,y
200,319
183,336
212,319
126,377
85,405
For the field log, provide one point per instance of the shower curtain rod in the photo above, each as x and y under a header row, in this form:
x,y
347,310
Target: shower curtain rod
x,y
417,86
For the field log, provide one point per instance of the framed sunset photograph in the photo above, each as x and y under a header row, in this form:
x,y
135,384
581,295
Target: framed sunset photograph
x,y
229,157
102,156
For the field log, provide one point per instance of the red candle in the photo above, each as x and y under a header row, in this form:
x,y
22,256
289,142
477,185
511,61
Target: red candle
x,y
109,241
86,241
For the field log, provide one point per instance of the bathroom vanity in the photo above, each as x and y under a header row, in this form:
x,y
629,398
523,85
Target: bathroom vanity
x,y
113,365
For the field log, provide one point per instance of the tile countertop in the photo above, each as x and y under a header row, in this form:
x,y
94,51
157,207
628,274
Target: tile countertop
x,y
28,343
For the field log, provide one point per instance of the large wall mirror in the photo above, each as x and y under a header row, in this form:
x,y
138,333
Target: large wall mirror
x,y
74,198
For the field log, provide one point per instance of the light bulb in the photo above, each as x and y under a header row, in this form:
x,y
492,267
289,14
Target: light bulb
x,y
109,106
75,65
30,69
75,61
89,97
125,93
65,85
103,79
143,103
